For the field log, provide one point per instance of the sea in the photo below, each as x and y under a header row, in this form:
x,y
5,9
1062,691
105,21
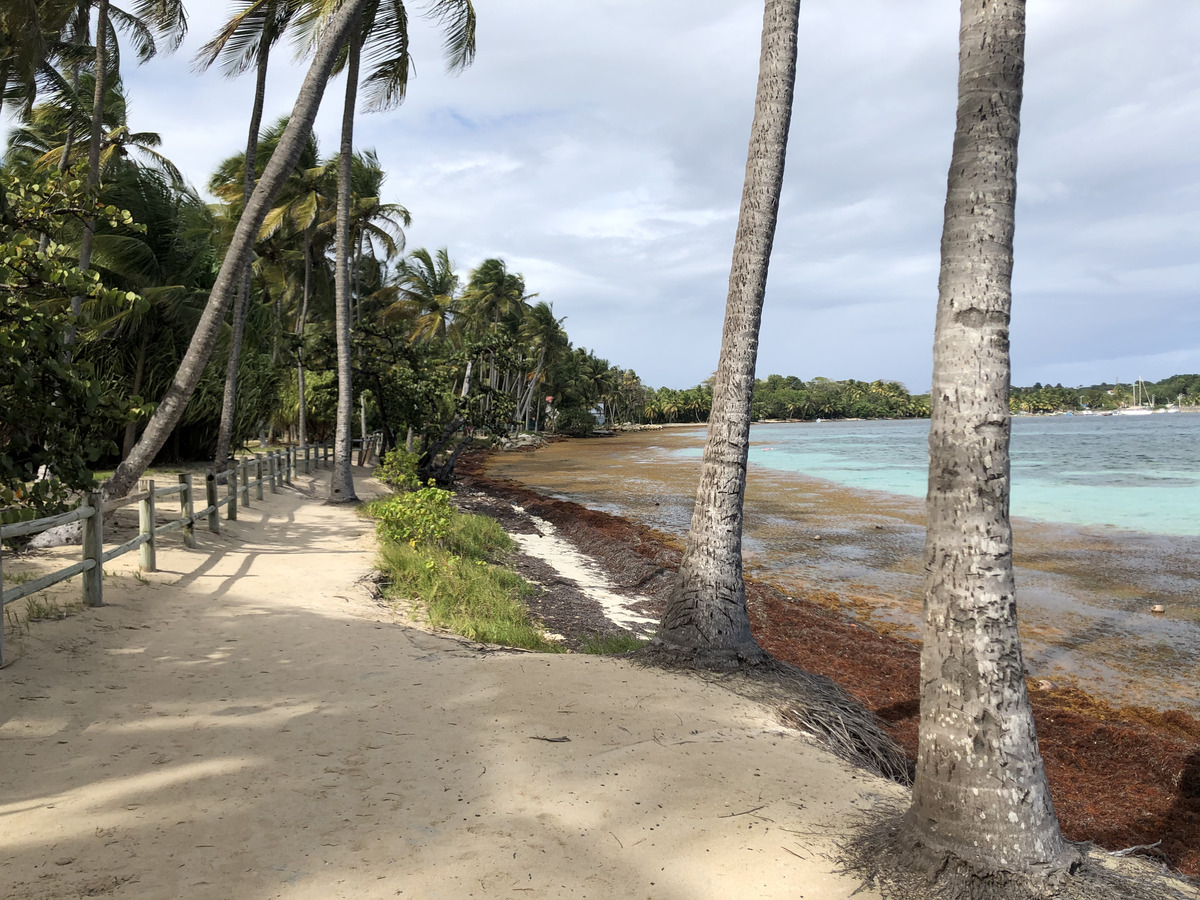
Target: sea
x,y
1106,529
1139,473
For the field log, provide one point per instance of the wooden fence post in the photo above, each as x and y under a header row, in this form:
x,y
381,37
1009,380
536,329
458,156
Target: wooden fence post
x,y
258,475
147,520
307,454
210,498
93,549
287,466
2,616
245,467
273,464
187,511
231,494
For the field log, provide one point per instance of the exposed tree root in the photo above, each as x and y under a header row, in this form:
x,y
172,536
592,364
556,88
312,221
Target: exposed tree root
x,y
890,857
811,703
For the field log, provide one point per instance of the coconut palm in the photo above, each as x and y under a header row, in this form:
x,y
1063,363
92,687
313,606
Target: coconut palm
x,y
375,226
283,161
426,290
706,613
46,138
32,36
302,217
980,798
544,336
380,31
150,21
244,42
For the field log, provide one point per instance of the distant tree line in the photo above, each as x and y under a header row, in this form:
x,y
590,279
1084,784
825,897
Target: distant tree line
x,y
1045,398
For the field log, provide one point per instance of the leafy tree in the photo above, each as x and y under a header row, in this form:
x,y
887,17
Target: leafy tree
x,y
150,19
58,417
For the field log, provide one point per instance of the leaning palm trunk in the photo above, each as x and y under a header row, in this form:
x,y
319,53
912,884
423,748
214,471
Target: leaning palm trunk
x,y
706,613
980,795
341,479
242,302
283,161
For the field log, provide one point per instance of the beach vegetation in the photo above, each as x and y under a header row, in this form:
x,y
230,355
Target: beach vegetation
x,y
575,422
398,470
612,643
446,562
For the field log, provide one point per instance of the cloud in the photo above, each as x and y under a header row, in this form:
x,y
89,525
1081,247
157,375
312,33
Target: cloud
x,y
600,149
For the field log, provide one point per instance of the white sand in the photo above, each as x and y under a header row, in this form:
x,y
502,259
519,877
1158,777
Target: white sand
x,y
250,724
560,554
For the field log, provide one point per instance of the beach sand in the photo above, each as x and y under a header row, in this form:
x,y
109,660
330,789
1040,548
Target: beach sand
x,y
249,722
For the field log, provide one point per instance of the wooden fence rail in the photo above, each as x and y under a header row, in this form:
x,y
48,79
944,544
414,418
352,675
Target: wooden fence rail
x,y
272,469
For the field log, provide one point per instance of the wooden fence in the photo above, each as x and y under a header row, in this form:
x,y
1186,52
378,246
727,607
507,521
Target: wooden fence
x,y
271,470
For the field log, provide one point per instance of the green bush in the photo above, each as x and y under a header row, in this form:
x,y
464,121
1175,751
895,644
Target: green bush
x,y
575,423
398,468
417,518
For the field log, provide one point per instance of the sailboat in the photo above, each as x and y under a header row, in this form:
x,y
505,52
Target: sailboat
x,y
1139,408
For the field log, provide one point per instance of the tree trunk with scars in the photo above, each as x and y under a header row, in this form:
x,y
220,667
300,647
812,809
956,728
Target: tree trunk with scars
x,y
706,614
341,479
242,301
980,795
283,161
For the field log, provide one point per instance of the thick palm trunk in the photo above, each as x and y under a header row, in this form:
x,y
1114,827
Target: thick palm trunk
x,y
341,480
980,793
93,179
282,162
242,301
706,613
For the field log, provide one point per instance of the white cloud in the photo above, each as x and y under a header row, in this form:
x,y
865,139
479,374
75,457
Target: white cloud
x,y
600,149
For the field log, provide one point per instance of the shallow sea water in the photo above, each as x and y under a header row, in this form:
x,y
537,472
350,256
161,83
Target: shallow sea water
x,y
1084,590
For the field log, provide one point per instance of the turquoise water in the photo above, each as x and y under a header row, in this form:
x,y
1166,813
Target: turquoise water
x,y
1138,473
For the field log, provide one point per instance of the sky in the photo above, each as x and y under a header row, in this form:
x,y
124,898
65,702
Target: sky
x,y
599,148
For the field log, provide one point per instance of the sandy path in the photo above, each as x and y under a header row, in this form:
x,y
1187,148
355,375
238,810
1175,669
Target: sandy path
x,y
250,724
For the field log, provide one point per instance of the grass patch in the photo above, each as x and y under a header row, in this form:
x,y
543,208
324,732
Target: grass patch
x,y
443,560
612,643
40,609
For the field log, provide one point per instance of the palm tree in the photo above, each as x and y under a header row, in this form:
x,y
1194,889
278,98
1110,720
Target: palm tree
x,y
30,37
46,139
380,30
542,334
706,614
283,162
980,799
302,213
243,42
164,19
427,287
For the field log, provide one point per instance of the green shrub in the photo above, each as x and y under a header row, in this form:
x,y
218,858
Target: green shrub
x,y
416,518
575,422
398,468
